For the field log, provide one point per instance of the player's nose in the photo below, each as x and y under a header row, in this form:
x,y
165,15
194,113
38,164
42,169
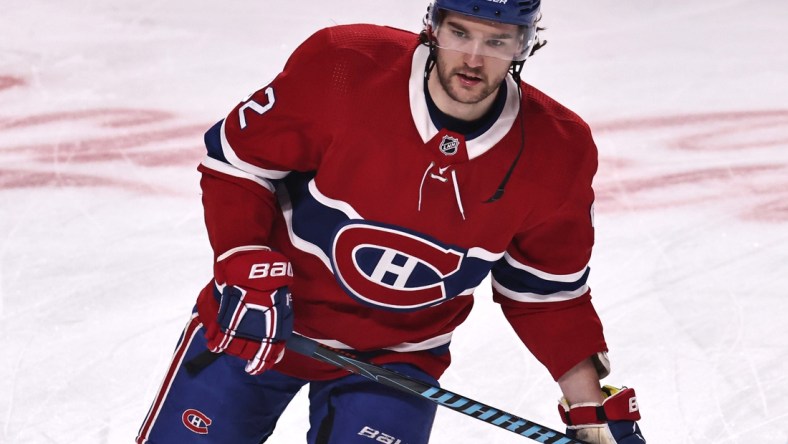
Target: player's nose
x,y
474,57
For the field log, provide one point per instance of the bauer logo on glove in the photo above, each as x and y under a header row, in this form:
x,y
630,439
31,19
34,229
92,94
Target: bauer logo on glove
x,y
264,270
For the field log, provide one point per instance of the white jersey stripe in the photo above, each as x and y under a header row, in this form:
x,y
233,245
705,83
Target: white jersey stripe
x,y
535,297
428,344
230,170
573,277
233,158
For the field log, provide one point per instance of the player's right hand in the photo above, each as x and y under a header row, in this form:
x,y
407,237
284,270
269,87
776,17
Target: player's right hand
x,y
249,314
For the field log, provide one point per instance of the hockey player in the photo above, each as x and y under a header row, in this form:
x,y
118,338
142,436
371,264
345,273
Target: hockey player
x,y
358,200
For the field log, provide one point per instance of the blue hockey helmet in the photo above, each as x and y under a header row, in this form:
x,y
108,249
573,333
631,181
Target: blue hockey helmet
x,y
514,12
523,13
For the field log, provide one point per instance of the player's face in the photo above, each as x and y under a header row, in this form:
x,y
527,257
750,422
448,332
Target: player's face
x,y
470,65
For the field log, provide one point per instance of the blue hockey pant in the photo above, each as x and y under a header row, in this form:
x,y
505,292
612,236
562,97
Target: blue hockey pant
x,y
223,404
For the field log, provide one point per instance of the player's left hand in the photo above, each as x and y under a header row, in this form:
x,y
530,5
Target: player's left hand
x,y
612,422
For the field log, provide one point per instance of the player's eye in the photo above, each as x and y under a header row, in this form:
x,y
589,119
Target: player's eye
x,y
459,34
495,43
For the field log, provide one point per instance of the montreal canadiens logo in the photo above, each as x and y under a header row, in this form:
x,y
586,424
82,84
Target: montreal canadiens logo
x,y
196,421
449,145
392,269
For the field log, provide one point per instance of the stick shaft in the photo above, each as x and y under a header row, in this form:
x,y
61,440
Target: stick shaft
x,y
454,401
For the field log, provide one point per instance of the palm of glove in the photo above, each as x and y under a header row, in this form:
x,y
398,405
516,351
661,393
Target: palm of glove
x,y
614,432
252,316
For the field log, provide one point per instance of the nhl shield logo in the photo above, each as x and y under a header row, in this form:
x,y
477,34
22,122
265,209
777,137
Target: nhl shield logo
x,y
449,145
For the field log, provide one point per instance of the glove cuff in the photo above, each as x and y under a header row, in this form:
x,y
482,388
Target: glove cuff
x,y
235,250
619,405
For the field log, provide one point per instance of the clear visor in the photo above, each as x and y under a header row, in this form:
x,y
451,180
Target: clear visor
x,y
511,43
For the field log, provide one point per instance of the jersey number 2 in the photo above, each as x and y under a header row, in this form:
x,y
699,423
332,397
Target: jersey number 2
x,y
256,107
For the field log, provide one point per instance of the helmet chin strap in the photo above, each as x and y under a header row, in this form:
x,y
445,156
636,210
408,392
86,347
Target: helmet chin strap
x,y
432,59
515,70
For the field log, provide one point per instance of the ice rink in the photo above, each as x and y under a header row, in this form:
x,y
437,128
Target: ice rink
x,y
102,245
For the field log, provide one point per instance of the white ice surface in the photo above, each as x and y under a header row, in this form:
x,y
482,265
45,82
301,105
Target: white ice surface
x,y
102,246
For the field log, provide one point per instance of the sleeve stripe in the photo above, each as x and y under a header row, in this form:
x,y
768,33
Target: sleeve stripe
x,y
534,297
574,277
230,170
234,160
523,283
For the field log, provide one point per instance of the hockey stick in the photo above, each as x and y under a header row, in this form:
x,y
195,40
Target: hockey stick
x,y
499,418
458,403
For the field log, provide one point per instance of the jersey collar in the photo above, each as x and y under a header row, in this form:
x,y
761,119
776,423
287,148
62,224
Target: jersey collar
x,y
426,128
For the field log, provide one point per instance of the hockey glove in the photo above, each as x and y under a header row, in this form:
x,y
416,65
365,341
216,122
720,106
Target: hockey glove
x,y
254,316
612,422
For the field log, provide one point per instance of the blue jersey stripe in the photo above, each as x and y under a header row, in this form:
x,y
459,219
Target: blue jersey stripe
x,y
213,142
522,281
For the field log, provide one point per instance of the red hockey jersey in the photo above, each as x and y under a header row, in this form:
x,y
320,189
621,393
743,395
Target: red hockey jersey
x,y
337,164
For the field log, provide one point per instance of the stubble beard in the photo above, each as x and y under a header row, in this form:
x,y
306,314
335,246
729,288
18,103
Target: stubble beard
x,y
460,94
